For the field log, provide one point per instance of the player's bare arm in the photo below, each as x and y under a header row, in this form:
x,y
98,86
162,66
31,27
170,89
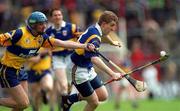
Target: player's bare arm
x,y
35,59
73,45
100,64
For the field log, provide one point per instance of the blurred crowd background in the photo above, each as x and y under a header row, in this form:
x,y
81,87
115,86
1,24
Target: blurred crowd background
x,y
145,28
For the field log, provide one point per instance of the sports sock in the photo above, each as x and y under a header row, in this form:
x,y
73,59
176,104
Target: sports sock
x,y
73,98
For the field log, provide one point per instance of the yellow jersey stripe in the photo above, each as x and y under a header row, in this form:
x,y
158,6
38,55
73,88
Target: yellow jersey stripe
x,y
73,28
81,51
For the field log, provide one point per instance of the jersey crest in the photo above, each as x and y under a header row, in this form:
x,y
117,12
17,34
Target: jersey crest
x,y
27,41
64,32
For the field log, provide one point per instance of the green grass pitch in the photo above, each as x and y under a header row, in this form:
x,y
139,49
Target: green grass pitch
x,y
143,105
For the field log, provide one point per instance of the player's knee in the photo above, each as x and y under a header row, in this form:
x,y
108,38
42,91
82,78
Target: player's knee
x,y
64,87
103,96
94,104
23,105
48,87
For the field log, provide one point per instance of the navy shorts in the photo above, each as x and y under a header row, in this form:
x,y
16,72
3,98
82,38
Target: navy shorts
x,y
88,87
8,76
34,76
23,76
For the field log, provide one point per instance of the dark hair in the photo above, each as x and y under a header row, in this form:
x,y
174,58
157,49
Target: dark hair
x,y
107,16
54,9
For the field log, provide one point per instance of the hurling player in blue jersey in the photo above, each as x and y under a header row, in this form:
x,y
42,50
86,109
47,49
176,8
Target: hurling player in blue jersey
x,y
84,77
61,56
22,44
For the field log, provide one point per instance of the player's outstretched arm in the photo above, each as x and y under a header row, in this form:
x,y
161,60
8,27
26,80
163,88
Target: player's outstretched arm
x,y
73,45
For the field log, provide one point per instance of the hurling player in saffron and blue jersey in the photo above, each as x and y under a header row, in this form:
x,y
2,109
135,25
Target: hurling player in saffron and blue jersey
x,y
21,44
40,80
84,76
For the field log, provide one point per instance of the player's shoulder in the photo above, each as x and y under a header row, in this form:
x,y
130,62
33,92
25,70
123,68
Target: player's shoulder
x,y
68,24
18,32
92,30
49,27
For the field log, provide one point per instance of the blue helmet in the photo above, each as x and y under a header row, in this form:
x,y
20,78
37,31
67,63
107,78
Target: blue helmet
x,y
36,17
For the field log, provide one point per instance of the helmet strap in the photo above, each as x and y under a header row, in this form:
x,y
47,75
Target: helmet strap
x,y
33,30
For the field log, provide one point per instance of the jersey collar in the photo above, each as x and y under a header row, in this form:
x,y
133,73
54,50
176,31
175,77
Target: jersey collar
x,y
98,28
63,24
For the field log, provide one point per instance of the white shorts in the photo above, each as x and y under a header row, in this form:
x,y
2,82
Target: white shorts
x,y
82,74
60,62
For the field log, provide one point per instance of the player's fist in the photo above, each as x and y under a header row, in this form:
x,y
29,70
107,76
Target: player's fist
x,y
90,47
116,43
117,76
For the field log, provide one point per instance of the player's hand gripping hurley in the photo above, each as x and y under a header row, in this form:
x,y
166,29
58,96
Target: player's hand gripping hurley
x,y
138,85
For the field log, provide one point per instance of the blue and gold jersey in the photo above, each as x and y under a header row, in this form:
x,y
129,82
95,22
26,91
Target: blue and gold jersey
x,y
67,32
81,57
44,62
21,44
